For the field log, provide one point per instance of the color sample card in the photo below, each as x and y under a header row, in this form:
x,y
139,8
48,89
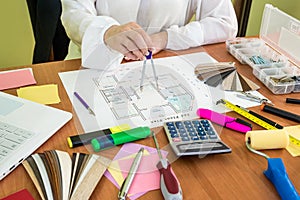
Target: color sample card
x,y
225,75
16,78
44,94
22,194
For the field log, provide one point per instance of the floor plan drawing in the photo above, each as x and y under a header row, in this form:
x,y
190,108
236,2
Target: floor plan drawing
x,y
121,91
116,98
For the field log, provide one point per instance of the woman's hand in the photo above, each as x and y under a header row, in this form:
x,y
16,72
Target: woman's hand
x,y
159,41
130,40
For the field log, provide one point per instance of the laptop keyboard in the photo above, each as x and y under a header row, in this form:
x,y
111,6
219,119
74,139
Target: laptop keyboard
x,y
11,137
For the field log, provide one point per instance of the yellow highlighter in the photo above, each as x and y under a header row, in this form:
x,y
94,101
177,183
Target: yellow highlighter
x,y
82,139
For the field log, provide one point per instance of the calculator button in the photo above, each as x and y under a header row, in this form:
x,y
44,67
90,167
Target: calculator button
x,y
188,126
195,138
213,137
195,122
179,125
182,130
176,139
171,128
197,125
174,135
185,139
190,129
192,134
184,134
201,133
204,137
173,131
170,123
206,125
207,128
187,122
199,129
211,132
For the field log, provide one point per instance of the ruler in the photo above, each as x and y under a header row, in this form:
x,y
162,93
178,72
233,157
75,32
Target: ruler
x,y
255,119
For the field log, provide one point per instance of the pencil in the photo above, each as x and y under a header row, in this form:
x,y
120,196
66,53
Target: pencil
x,y
84,103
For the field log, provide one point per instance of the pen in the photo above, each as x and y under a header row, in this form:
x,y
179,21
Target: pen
x,y
280,113
128,181
291,100
223,120
82,139
275,124
84,103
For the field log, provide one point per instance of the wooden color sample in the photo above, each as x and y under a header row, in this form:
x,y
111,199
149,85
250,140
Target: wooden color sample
x,y
58,176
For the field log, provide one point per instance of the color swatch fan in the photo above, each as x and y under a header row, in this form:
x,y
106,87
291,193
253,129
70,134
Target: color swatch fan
x,y
57,175
225,75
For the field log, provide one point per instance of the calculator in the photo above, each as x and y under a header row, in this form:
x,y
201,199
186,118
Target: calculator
x,y
194,137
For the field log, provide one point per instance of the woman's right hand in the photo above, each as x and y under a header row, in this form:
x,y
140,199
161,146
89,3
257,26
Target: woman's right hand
x,y
130,40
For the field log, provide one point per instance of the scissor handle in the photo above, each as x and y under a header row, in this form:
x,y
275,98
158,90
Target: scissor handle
x,y
276,173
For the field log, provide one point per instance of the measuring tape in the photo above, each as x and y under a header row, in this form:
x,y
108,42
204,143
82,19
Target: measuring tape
x,y
294,141
255,119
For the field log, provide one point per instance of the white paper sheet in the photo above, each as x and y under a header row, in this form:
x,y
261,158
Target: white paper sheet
x,y
115,96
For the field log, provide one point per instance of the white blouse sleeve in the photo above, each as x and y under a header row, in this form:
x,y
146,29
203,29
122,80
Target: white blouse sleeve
x,y
86,29
215,21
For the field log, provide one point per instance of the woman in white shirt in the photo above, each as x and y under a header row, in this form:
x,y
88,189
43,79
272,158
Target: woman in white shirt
x,y
106,31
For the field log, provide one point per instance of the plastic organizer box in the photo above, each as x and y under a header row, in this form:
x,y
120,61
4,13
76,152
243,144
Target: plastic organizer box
x,y
275,55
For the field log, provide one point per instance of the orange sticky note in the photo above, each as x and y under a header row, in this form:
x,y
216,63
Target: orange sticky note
x,y
16,78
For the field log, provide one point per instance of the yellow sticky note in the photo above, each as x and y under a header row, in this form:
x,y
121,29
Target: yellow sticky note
x,y
44,94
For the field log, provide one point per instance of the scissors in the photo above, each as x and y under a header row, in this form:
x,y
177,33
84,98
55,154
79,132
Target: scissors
x,y
148,57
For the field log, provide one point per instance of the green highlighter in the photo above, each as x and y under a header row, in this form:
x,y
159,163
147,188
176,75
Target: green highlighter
x,y
106,141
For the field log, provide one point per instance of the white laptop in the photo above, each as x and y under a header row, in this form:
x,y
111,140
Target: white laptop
x,y
25,126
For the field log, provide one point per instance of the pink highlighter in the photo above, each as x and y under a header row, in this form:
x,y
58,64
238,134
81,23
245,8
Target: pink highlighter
x,y
225,121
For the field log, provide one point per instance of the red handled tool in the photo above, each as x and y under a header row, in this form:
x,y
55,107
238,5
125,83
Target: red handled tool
x,y
169,184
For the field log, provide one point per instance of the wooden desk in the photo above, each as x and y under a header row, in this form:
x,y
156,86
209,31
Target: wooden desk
x,y
238,175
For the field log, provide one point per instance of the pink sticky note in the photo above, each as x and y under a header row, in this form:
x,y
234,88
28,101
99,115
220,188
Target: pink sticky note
x,y
147,177
127,150
16,78
131,148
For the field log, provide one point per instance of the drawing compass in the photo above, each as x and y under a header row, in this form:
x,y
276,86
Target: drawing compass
x,y
148,57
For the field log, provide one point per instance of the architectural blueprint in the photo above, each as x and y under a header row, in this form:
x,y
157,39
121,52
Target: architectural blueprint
x,y
116,98
172,99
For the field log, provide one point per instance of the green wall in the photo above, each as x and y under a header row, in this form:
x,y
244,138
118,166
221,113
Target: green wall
x,y
16,39
291,7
